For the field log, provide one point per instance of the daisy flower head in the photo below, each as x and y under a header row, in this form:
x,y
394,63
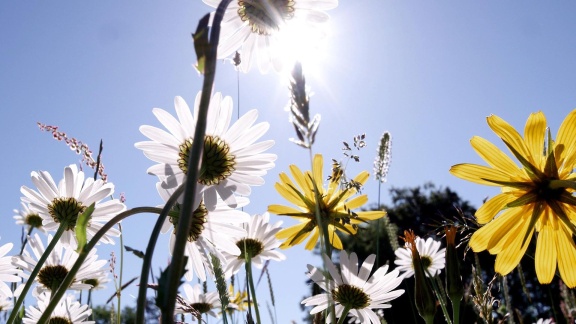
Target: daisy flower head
x,y
68,310
352,287
255,27
58,264
260,243
28,218
232,160
335,203
196,299
213,232
432,257
62,204
537,196
8,272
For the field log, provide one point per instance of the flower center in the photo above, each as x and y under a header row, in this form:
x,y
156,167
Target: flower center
x,y
93,282
66,210
217,162
33,220
252,246
198,220
202,307
545,193
265,16
426,262
51,276
59,320
351,296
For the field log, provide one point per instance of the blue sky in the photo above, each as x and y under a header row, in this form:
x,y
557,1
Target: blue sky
x,y
428,72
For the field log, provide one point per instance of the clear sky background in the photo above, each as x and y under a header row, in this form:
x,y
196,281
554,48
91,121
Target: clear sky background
x,y
428,72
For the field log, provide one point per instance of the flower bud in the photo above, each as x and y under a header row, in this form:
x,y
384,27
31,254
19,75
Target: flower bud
x,y
423,294
454,287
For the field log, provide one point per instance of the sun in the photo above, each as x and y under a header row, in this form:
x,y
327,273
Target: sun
x,y
300,42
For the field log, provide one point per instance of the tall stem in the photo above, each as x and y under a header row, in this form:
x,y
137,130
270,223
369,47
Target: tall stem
x,y
119,290
36,270
59,293
185,221
252,291
147,262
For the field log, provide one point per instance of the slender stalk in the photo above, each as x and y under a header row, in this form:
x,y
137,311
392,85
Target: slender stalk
x,y
59,293
185,220
36,270
25,241
440,296
378,229
344,314
147,261
119,290
248,265
456,311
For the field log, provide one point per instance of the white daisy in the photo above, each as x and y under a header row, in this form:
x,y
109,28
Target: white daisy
x,y
232,160
58,264
433,258
354,288
260,241
28,218
68,310
213,232
6,303
63,203
545,321
8,272
253,27
198,300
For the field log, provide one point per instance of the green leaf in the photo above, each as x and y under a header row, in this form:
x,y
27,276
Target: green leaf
x,y
163,283
201,43
81,224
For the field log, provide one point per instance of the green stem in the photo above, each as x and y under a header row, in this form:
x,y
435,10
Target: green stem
x,y
456,311
185,220
36,270
25,241
378,229
58,294
119,290
440,297
147,262
252,291
344,314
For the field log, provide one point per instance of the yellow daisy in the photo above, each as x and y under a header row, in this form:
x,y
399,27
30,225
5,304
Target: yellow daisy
x,y
538,196
336,205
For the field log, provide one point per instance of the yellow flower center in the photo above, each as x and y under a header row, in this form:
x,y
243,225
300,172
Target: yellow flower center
x,y
265,16
252,246
51,276
351,296
59,320
66,210
202,307
217,163
33,220
198,220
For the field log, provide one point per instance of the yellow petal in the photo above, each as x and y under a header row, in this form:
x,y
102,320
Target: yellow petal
x,y
289,231
362,177
283,210
513,252
481,238
492,207
510,135
368,216
566,256
546,254
494,156
313,239
565,137
289,194
299,178
535,136
317,166
334,239
501,237
478,173
357,202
